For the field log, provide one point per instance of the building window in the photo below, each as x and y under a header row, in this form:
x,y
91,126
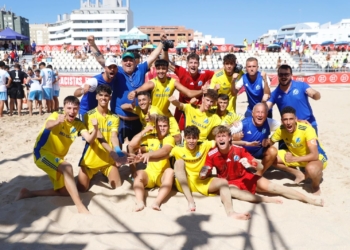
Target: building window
x,y
156,34
189,34
122,30
121,21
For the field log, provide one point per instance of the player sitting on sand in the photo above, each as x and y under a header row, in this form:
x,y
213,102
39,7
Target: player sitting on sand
x,y
231,162
103,154
304,149
190,158
158,172
52,145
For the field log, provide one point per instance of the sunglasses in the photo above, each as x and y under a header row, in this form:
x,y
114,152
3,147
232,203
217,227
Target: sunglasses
x,y
283,74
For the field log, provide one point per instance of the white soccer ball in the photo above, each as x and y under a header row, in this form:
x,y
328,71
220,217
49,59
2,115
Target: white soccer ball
x,y
236,127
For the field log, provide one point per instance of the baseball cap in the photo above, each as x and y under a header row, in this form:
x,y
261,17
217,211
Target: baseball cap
x,y
128,54
111,61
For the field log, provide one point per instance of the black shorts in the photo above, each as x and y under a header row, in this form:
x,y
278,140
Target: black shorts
x,y
16,93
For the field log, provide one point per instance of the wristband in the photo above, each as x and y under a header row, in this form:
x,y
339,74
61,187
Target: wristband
x,y
97,53
119,151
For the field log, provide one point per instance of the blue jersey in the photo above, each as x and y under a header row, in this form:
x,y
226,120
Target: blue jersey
x,y
254,90
252,133
88,101
126,84
297,98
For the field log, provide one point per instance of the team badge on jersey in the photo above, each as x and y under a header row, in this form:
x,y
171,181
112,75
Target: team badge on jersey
x,y
167,89
258,87
236,158
109,123
206,121
198,154
73,130
297,140
263,131
200,83
295,92
57,159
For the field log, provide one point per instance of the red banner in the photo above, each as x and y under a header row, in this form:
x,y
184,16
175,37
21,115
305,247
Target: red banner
x,y
322,78
69,81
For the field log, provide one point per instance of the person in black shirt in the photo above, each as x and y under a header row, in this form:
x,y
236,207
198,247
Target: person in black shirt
x,y
16,91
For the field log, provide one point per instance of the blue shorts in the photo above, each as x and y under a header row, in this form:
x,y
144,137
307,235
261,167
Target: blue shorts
x,y
128,129
47,93
259,154
56,93
36,95
3,96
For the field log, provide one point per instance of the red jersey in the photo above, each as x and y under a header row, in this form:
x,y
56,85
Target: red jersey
x,y
186,80
228,166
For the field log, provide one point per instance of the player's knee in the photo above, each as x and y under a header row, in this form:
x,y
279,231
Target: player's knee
x,y
115,184
179,165
272,151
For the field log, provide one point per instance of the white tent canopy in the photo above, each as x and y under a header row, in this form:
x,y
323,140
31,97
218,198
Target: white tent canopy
x,y
134,34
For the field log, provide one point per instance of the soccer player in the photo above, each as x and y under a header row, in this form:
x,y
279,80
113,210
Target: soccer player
x,y
203,117
225,79
17,91
47,78
5,82
52,145
231,163
256,131
227,117
256,84
56,89
294,94
102,154
192,78
162,88
88,90
190,158
35,91
304,149
158,172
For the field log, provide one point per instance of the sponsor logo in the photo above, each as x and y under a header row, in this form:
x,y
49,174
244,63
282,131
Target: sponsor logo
x,y
228,160
249,132
333,78
191,83
311,79
322,78
344,78
279,97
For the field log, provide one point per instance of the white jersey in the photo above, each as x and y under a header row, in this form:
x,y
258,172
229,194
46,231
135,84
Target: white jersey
x,y
56,85
47,77
4,75
34,84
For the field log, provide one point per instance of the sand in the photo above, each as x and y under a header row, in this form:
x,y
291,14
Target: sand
x,y
53,222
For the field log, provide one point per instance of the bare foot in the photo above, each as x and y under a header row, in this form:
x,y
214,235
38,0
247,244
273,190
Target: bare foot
x,y
299,178
155,206
239,216
272,200
140,205
24,193
191,207
318,202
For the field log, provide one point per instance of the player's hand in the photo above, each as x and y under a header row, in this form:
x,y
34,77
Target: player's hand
x,y
147,117
253,144
91,40
61,118
163,37
204,173
263,74
172,98
194,101
145,157
132,95
217,87
94,122
119,161
235,75
265,143
265,98
148,128
289,157
237,136
245,163
205,88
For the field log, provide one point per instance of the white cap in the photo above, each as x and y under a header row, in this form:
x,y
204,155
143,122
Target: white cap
x,y
111,61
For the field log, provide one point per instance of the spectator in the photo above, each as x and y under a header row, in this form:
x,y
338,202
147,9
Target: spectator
x,y
33,47
335,65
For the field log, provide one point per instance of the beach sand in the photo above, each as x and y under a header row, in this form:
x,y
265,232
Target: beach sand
x,y
53,222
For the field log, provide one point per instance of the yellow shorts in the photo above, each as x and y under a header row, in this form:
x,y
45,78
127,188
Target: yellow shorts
x,y
196,185
174,126
49,163
282,153
154,178
105,170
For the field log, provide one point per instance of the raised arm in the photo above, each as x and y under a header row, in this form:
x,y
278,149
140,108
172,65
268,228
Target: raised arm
x,y
160,154
50,124
136,140
147,86
187,92
154,55
91,137
233,84
95,51
176,102
267,91
128,107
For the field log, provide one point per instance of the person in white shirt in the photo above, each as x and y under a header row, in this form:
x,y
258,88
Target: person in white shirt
x,y
55,88
5,82
47,78
36,90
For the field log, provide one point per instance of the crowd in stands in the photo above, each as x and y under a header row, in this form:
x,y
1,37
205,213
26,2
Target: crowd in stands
x,y
119,109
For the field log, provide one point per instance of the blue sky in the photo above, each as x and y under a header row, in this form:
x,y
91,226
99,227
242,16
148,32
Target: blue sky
x,y
231,19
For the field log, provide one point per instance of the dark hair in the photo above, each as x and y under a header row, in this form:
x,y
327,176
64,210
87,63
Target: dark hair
x,y
230,58
192,131
49,66
37,70
104,88
17,66
223,97
137,55
285,66
288,110
2,64
6,67
193,56
162,118
212,94
161,62
42,64
71,99
146,93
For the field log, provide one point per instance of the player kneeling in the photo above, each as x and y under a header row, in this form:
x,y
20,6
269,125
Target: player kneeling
x,y
158,172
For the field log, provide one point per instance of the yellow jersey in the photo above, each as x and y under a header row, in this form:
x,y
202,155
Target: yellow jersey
x,y
297,141
230,117
156,144
95,155
161,93
225,83
205,121
195,159
153,110
58,140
